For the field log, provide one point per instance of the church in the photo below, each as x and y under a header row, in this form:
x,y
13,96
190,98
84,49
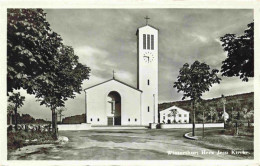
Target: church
x,y
113,102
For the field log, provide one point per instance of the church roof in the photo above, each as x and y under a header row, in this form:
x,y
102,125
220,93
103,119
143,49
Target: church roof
x,y
145,26
116,81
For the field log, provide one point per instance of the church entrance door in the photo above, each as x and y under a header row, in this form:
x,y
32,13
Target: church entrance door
x,y
110,121
114,108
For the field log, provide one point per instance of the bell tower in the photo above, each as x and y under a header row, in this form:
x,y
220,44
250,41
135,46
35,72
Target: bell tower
x,y
147,72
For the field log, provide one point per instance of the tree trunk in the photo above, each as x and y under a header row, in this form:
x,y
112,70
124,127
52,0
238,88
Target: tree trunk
x,y
203,126
16,122
54,124
236,128
193,123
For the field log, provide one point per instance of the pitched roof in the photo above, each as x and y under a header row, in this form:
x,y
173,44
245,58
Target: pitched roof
x,y
114,80
175,107
145,26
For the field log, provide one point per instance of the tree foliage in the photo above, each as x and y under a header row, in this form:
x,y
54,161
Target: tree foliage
x,y
39,62
29,47
240,54
193,81
196,79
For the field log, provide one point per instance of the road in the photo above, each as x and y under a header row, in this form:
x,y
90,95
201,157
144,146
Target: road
x,y
121,145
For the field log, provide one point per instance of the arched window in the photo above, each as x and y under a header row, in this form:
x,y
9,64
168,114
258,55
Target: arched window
x,y
135,119
128,119
98,119
91,119
148,82
148,109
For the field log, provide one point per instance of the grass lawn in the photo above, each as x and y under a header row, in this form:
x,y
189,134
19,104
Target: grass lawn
x,y
18,139
224,140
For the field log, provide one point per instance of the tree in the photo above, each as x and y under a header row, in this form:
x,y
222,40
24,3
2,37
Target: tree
x,y
40,63
193,81
64,80
17,100
174,113
59,112
211,112
29,47
240,54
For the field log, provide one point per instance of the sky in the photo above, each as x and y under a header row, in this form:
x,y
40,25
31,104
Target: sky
x,y
105,40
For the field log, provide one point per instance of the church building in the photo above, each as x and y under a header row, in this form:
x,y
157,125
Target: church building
x,y
114,102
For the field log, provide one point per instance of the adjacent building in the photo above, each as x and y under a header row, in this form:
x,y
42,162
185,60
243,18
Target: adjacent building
x,y
174,114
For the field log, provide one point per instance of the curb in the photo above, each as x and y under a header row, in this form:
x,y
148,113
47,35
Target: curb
x,y
189,137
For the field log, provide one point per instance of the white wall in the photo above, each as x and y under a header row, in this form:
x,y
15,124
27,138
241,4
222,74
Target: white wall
x,y
206,125
148,71
68,127
97,103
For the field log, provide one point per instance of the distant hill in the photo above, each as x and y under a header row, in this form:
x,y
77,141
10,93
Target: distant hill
x,y
186,104
25,119
77,119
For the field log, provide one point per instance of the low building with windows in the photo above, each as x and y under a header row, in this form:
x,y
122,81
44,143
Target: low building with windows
x,y
174,114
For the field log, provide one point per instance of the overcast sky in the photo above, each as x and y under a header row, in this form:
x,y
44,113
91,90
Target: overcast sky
x,y
105,40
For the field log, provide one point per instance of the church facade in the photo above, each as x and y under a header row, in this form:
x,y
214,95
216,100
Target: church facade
x,y
114,102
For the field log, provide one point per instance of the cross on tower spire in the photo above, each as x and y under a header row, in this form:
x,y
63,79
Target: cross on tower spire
x,y
147,18
114,74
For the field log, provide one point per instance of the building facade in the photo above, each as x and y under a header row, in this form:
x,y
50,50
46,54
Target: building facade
x,y
174,115
114,102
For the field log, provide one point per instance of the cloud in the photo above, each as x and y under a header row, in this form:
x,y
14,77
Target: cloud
x,y
105,40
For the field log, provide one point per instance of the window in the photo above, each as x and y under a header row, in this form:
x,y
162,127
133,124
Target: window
x,y
135,119
98,119
163,117
148,42
185,121
128,119
148,82
148,109
152,42
179,121
91,119
185,115
179,115
144,41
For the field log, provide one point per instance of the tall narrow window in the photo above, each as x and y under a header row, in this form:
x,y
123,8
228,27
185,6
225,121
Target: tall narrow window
x,y
144,41
148,42
148,82
152,42
148,109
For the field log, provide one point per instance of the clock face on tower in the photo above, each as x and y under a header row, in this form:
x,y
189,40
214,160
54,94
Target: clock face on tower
x,y
148,57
